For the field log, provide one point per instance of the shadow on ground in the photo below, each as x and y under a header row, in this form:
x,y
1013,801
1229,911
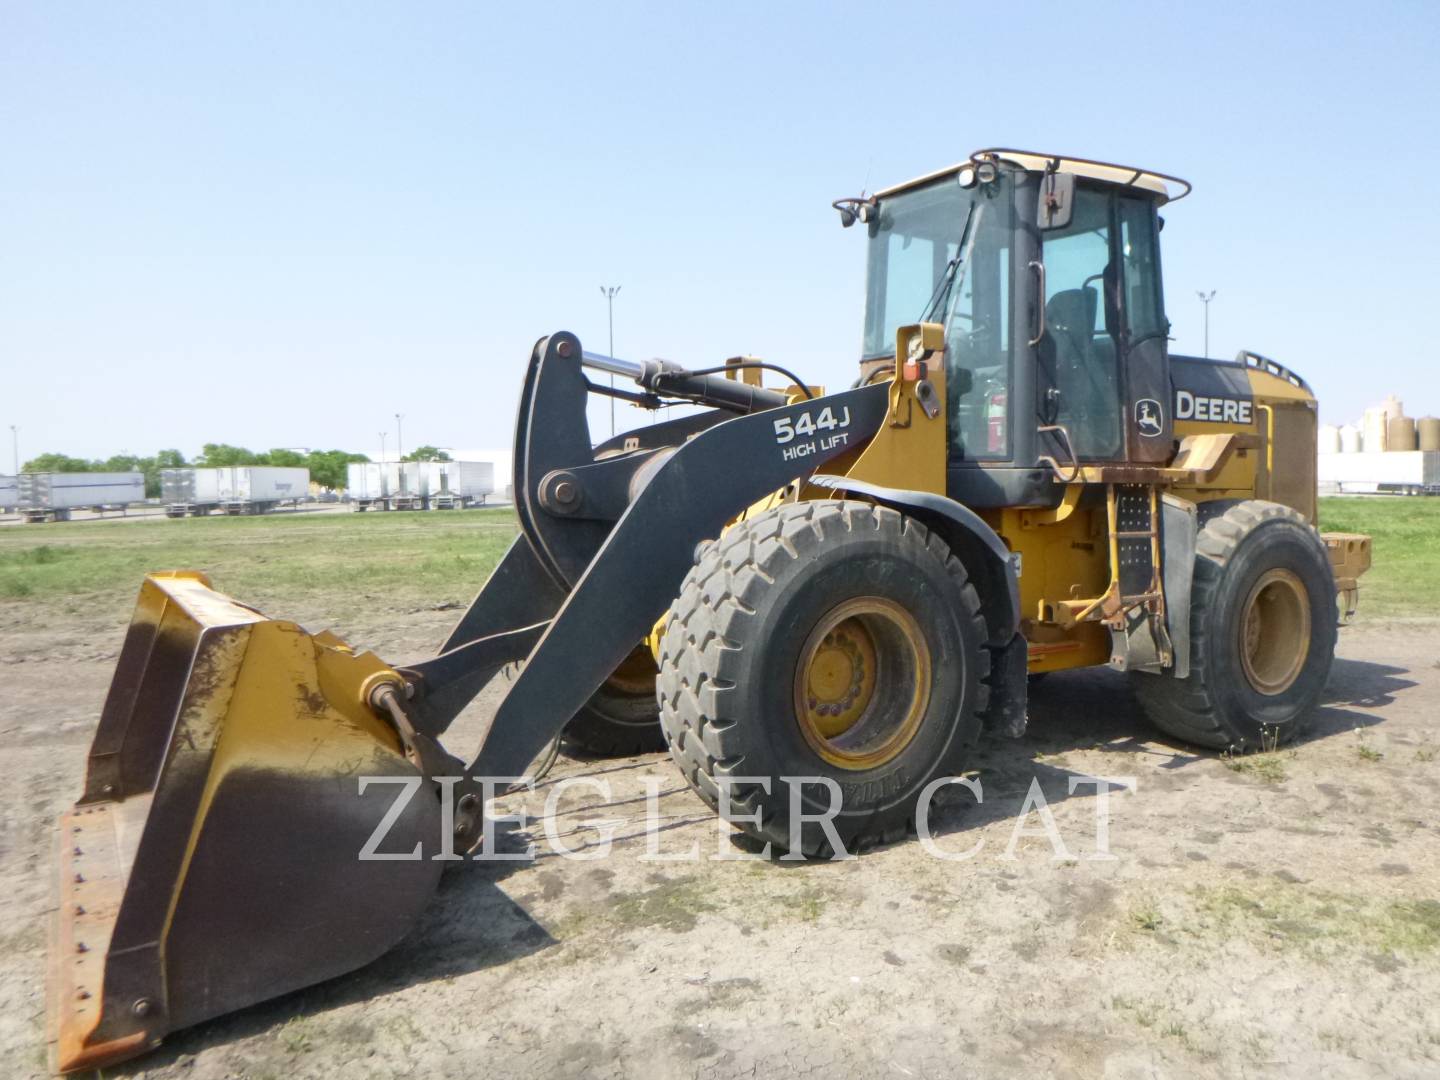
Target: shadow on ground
x,y
1096,710
473,925
470,925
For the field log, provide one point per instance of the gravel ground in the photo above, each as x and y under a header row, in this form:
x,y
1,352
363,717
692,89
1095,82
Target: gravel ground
x,y
1269,916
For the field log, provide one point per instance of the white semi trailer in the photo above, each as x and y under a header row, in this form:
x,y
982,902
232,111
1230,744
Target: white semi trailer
x,y
366,485
1401,472
254,489
53,496
419,485
454,485
385,485
232,489
189,491
407,484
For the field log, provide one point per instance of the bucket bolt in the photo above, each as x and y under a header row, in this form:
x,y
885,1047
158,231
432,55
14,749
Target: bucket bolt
x,y
385,700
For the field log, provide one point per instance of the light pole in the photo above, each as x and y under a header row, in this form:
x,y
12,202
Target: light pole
x,y
609,294
382,447
399,447
1205,299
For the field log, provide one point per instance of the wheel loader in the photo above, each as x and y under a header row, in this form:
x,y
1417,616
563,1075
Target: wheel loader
x,y
842,589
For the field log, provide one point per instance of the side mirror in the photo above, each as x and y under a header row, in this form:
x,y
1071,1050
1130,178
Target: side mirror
x,y
1057,200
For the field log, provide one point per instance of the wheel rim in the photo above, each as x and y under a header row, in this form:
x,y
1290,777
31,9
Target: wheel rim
x,y
1275,632
862,683
635,677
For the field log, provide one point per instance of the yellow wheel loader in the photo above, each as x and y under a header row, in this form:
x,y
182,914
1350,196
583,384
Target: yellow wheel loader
x,y
830,597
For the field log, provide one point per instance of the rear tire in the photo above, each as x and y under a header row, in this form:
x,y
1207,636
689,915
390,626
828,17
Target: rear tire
x,y
621,718
823,639
1262,633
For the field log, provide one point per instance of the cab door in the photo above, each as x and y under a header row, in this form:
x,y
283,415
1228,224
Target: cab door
x,y
1103,370
1144,345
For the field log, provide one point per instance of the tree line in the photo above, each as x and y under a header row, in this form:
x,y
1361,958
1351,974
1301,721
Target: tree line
x,y
327,467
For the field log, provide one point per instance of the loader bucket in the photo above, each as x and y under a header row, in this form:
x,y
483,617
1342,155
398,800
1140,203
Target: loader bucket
x,y
213,860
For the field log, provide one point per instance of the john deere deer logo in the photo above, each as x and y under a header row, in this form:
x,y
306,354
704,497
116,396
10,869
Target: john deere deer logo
x,y
1147,417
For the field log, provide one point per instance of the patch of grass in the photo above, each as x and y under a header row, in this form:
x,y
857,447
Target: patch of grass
x,y
796,899
1149,1015
1147,918
725,995
810,905
1363,750
1412,926
397,559
15,588
1144,1013
1425,756
1266,763
1269,767
1337,1042
672,905
42,555
297,1035
1405,577
1176,1030
675,906
1319,920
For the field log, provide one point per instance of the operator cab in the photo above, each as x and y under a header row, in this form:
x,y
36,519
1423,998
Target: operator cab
x,y
1045,273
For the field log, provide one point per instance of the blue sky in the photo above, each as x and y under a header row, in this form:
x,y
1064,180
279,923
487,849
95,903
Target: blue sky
x,y
279,224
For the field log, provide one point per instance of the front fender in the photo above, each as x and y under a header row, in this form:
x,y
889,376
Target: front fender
x,y
986,558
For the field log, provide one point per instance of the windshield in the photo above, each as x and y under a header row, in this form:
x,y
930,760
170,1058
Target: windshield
x,y
911,264
917,270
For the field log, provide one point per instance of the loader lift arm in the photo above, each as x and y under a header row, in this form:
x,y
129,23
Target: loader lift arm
x,y
568,497
625,570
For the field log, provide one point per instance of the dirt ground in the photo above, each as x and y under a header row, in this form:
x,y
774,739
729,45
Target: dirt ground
x,y
1274,916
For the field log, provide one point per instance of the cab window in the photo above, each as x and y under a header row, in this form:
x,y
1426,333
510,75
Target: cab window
x,y
1140,246
977,336
1082,314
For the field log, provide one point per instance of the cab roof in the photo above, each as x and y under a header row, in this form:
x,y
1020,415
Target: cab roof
x,y
1169,188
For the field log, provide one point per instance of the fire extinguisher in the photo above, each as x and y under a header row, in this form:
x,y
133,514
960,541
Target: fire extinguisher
x,y
995,417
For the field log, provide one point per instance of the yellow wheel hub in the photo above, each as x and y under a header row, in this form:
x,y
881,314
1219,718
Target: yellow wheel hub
x,y
841,678
862,683
635,675
1275,632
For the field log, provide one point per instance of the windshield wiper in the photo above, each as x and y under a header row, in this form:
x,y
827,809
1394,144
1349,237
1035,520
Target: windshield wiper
x,y
940,299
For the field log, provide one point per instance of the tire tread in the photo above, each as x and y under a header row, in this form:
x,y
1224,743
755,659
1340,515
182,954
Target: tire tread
x,y
1186,708
720,600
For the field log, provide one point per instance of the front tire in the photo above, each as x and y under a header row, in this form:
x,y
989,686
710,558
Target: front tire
x,y
1262,633
825,639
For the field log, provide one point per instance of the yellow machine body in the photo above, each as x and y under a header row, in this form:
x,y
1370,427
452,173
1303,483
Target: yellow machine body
x,y
1065,552
260,805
